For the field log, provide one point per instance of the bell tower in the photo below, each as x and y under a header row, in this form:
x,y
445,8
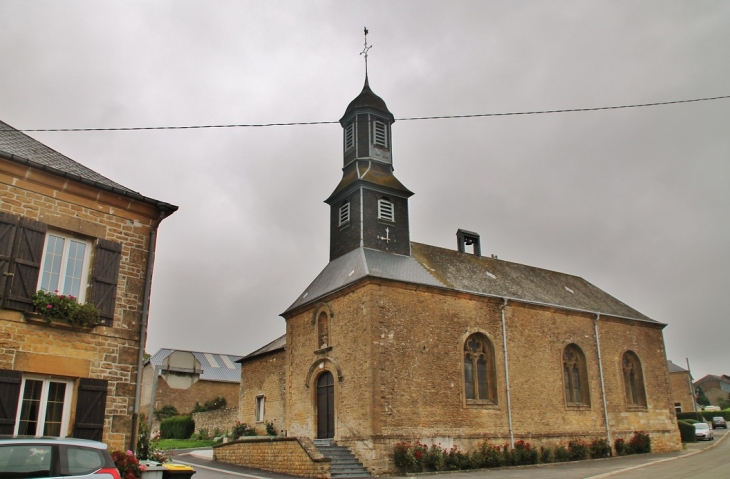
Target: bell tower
x,y
369,208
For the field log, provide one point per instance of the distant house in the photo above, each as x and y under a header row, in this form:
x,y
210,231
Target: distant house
x,y
188,377
716,388
66,228
263,391
680,380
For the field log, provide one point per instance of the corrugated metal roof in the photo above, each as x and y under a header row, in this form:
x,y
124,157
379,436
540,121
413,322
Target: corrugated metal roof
x,y
18,143
275,345
227,369
433,266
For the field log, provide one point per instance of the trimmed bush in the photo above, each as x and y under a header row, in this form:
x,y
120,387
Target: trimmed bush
x,y
578,450
177,427
687,431
640,443
600,448
562,454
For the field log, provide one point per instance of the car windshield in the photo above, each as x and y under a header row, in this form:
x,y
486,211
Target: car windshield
x,y
701,425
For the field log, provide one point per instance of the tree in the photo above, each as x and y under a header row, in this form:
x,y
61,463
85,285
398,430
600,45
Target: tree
x,y
701,398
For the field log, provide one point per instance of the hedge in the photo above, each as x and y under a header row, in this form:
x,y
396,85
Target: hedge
x,y
177,427
708,415
687,431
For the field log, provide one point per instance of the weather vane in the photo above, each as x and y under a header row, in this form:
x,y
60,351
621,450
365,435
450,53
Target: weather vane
x,y
365,51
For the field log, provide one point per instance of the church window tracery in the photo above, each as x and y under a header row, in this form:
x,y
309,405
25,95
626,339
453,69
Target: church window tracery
x,y
575,376
633,380
479,376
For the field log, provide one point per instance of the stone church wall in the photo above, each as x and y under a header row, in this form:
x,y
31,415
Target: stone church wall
x,y
264,376
399,352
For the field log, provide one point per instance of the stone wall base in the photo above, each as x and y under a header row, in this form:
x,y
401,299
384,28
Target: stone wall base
x,y
286,455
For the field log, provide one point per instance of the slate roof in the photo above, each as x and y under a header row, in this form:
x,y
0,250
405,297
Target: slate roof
x,y
17,146
673,368
368,99
224,370
275,345
449,269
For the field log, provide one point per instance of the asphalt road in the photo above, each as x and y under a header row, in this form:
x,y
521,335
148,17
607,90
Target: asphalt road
x,y
708,460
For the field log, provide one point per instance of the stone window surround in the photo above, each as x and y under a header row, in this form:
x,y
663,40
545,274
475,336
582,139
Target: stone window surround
x,y
585,403
260,408
322,308
492,402
641,404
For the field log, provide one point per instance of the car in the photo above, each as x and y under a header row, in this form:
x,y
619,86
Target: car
x,y
703,431
25,457
719,421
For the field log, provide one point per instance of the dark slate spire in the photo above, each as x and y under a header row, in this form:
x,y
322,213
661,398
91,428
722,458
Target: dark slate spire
x,y
369,207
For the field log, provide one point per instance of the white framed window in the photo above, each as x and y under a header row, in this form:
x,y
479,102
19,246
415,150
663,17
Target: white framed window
x,y
344,213
380,134
65,265
44,407
349,136
385,210
260,400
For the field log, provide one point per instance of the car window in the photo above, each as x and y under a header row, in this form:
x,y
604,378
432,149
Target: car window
x,y
25,461
701,425
80,460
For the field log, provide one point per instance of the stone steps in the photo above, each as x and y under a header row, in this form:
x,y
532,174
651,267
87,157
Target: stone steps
x,y
344,463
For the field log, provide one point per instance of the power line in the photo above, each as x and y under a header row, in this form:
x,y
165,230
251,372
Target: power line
x,y
445,117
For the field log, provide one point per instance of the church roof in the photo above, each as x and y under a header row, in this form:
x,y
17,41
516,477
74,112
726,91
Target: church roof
x,y
216,367
673,368
275,345
452,270
21,148
371,172
368,99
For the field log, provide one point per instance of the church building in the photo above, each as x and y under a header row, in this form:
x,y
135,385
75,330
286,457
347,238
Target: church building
x,y
400,341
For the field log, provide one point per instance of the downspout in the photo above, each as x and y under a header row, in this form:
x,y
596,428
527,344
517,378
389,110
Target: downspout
x,y
506,376
143,326
600,373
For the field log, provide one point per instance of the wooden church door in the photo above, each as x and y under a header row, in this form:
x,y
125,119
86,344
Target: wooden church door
x,y
326,406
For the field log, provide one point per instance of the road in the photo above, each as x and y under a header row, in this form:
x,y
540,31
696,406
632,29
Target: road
x,y
707,460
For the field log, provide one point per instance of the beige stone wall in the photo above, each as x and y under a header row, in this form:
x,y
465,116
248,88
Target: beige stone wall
x,y
290,455
399,352
681,392
264,376
222,419
105,352
184,399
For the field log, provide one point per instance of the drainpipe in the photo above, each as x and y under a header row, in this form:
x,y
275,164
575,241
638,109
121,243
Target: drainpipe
x,y
600,373
506,376
143,326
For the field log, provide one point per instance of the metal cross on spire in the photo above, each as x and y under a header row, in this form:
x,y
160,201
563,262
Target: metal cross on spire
x,y
365,51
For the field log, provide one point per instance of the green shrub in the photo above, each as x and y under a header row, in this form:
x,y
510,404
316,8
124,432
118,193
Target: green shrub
x,y
600,448
241,429
620,446
640,443
403,457
270,428
546,455
165,412
219,402
434,458
562,454
704,415
524,454
177,427
456,460
687,431
491,456
578,450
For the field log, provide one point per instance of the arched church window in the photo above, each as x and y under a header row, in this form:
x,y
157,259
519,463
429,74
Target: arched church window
x,y
323,330
479,370
349,136
633,380
575,376
380,134
344,213
385,210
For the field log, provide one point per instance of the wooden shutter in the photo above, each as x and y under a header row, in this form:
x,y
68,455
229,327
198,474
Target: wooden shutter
x,y
25,265
105,278
8,229
90,409
9,396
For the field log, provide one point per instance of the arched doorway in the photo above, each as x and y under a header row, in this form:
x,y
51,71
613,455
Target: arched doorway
x,y
325,406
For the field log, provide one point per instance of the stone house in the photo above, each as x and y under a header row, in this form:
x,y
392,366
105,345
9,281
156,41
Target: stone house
x,y
185,378
400,341
65,227
680,380
716,388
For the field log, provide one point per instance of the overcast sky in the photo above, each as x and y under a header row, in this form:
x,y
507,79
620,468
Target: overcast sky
x,y
636,201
